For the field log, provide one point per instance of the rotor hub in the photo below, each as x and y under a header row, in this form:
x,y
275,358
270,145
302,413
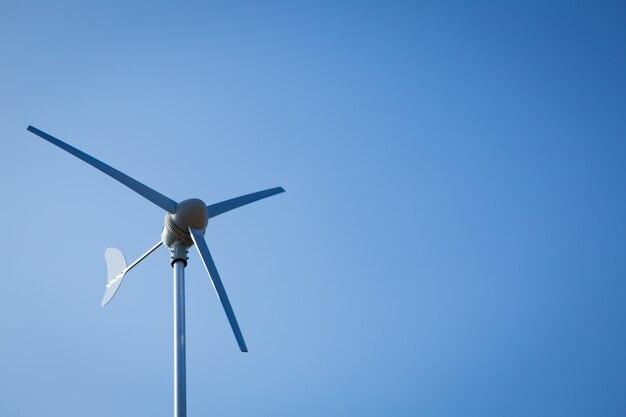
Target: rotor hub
x,y
189,213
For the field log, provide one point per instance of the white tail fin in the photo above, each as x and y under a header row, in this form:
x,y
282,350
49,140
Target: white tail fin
x,y
116,269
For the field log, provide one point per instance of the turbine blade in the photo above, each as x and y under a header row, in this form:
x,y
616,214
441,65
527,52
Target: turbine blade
x,y
198,238
157,198
228,205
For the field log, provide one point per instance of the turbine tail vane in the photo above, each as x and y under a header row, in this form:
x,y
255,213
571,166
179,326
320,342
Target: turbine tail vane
x,y
117,269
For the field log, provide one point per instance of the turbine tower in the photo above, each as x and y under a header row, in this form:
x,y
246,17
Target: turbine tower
x,y
184,226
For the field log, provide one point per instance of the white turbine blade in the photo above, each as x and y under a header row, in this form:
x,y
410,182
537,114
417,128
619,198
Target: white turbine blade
x,y
207,260
117,269
228,205
157,198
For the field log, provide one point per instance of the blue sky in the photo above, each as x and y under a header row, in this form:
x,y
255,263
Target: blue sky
x,y
452,241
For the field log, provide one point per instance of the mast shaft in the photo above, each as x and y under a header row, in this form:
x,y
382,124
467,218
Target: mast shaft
x,y
179,261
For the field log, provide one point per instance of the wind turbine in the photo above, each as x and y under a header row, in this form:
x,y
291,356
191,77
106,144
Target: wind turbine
x,y
184,226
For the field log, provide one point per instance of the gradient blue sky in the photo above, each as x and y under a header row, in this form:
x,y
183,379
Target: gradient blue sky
x,y
452,241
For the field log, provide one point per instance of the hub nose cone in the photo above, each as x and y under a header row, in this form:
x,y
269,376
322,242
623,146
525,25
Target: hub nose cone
x,y
191,213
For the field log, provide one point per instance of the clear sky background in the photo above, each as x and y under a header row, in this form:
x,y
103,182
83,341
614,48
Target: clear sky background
x,y
452,241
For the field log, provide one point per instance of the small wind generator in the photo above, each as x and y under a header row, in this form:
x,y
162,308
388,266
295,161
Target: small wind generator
x,y
184,226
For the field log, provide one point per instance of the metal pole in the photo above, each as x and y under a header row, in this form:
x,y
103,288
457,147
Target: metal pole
x,y
179,261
